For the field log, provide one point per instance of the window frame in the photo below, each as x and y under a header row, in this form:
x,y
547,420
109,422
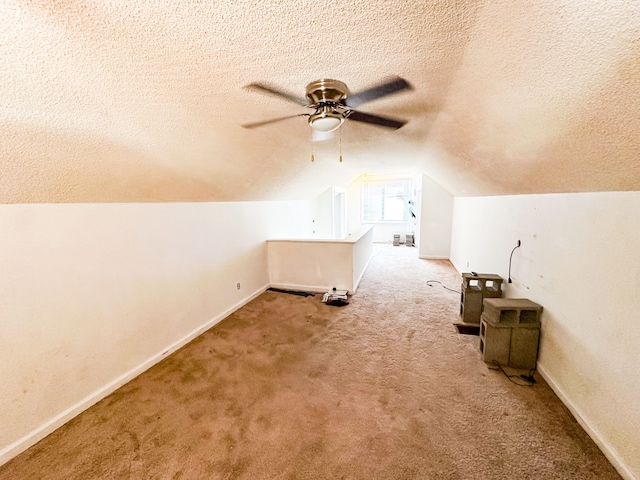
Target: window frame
x,y
384,181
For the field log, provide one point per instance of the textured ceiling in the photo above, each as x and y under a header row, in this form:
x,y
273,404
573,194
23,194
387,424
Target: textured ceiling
x,y
142,101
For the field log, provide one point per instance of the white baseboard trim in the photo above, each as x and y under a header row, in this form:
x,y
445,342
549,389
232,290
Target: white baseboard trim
x,y
458,269
608,450
433,257
56,422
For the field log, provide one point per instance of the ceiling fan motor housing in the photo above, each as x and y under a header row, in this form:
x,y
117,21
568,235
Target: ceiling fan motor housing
x,y
327,96
327,91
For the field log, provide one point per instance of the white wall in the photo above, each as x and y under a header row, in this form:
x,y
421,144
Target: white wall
x,y
323,212
93,294
579,259
436,214
354,205
362,253
316,265
322,222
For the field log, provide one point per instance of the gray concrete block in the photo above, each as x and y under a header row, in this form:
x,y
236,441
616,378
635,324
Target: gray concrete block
x,y
495,343
512,311
474,289
507,338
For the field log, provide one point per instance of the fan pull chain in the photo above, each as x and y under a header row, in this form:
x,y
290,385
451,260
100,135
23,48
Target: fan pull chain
x,y
340,133
313,159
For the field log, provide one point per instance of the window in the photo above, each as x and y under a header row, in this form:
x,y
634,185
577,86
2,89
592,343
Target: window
x,y
385,200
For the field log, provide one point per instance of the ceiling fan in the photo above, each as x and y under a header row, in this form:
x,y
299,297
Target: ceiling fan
x,y
332,103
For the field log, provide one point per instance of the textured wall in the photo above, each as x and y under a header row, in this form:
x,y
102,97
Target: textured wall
x,y
142,101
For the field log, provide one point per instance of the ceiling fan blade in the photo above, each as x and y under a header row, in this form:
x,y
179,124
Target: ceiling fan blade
x,y
376,119
273,120
389,87
263,87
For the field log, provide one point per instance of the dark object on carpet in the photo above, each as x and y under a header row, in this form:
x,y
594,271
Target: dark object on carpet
x,y
468,329
335,297
338,302
292,292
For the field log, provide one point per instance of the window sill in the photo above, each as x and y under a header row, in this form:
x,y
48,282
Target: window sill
x,y
384,222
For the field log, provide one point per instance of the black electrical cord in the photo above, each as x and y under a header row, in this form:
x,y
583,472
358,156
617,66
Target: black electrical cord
x,y
446,288
527,378
510,258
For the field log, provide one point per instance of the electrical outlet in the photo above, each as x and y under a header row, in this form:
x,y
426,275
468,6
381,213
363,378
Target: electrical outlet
x,y
467,264
238,286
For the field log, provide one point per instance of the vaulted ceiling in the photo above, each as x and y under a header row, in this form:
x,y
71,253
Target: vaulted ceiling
x,y
142,101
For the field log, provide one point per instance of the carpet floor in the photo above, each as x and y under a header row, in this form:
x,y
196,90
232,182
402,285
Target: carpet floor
x,y
290,388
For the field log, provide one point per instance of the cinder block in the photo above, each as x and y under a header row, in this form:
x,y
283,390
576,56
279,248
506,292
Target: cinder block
x,y
495,343
471,306
512,311
509,337
523,353
493,288
473,291
409,240
489,284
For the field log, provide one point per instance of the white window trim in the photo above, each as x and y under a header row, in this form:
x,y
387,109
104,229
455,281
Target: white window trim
x,y
384,179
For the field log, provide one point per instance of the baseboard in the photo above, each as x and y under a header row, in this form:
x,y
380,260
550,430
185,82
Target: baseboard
x,y
608,450
459,270
433,257
50,426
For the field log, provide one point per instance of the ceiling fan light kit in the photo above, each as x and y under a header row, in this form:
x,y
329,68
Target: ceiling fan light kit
x,y
332,103
326,120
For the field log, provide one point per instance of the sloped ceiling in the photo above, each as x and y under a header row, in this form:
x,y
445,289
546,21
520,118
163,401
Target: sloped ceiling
x,y
142,101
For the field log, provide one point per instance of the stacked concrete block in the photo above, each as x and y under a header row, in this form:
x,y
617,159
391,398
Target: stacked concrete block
x,y
409,240
510,332
475,288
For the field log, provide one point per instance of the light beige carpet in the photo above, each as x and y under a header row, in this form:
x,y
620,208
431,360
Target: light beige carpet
x,y
290,388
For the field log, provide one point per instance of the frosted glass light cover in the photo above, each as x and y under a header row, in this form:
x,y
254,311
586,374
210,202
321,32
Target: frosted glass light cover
x,y
326,124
